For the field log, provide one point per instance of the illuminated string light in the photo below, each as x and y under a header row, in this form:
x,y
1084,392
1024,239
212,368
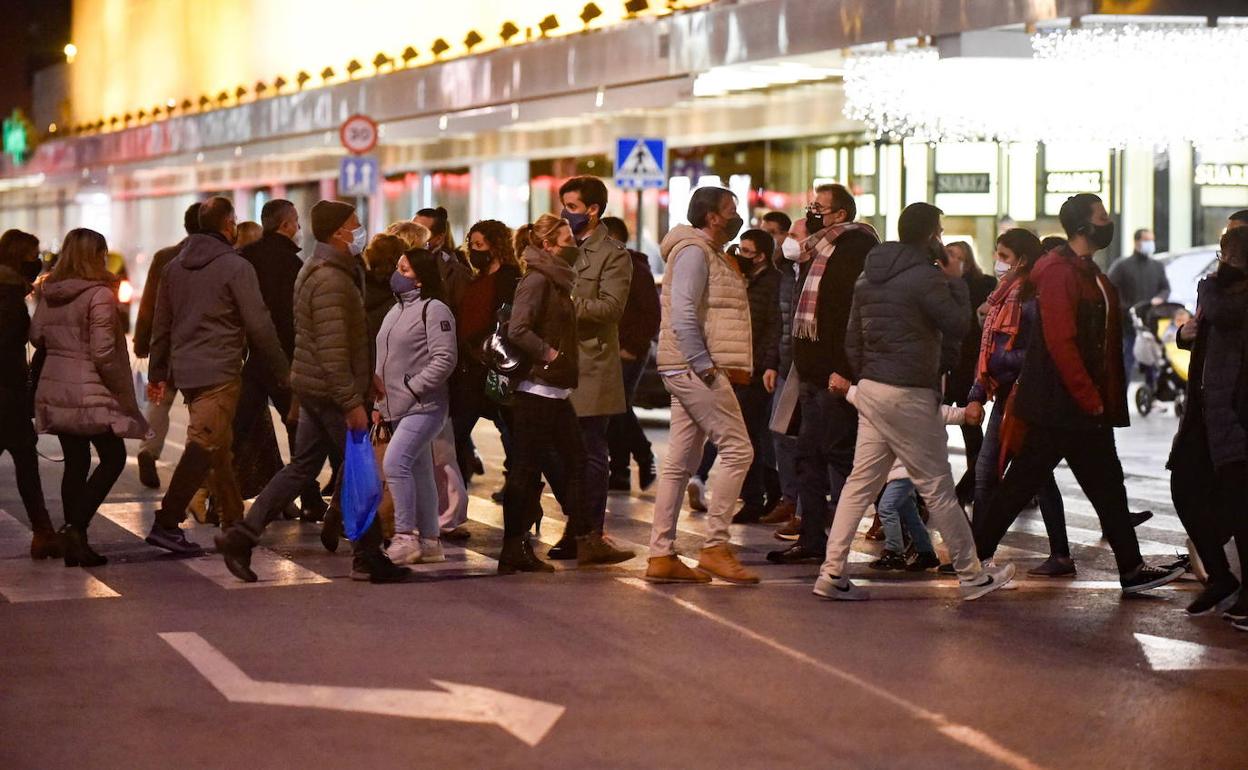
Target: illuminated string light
x,y
1110,83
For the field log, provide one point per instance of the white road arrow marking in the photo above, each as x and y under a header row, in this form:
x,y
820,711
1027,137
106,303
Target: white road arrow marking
x,y
527,719
1177,655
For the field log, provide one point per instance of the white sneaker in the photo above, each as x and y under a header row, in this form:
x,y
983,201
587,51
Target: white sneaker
x,y
839,589
404,549
696,492
993,577
431,550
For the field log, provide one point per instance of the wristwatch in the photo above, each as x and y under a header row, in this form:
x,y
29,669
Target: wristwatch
x,y
708,375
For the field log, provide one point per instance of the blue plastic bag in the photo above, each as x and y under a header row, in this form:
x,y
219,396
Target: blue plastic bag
x,y
361,487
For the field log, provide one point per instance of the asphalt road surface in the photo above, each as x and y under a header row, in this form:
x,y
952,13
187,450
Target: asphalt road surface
x,y
159,662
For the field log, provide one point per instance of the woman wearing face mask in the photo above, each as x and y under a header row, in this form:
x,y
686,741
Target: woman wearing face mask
x,y
543,326
85,395
496,273
1007,327
19,266
416,354
1208,480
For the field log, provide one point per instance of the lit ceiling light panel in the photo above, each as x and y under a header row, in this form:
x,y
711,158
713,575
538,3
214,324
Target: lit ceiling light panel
x,y
1114,85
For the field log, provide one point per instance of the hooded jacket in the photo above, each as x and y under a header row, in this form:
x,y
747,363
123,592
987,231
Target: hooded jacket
x,y
14,331
208,314
416,354
543,318
331,332
907,318
86,387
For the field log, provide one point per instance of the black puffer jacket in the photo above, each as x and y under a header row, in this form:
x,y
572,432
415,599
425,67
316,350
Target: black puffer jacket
x,y
904,310
763,291
788,304
1217,386
14,328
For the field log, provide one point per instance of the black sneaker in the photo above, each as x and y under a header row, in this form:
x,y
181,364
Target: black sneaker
x,y
172,540
374,567
749,514
922,562
1214,593
1238,610
235,548
1139,517
1147,577
889,561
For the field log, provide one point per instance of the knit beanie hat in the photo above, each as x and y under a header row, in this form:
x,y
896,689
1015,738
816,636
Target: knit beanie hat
x,y
327,217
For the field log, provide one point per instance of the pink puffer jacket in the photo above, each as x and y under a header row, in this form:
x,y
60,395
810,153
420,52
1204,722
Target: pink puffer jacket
x,y
86,386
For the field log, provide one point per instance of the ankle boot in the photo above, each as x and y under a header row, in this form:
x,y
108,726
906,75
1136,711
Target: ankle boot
x,y
594,549
45,543
77,551
517,556
188,477
331,529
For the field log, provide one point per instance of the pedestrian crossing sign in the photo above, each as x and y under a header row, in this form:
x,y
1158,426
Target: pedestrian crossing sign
x,y
640,163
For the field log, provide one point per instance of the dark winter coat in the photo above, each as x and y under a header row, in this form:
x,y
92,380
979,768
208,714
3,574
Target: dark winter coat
x,y
1217,385
962,371
14,331
86,387
209,313
1074,356
817,359
640,323
905,309
1138,278
543,318
788,304
763,290
275,258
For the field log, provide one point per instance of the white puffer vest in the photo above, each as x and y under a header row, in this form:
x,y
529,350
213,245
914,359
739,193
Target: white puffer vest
x,y
724,309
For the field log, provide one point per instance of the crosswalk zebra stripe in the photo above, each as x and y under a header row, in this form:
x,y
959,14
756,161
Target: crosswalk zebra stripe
x,y
22,580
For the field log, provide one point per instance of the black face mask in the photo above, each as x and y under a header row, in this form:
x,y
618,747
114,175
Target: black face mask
x,y
814,223
1101,235
569,254
31,270
745,264
480,260
732,227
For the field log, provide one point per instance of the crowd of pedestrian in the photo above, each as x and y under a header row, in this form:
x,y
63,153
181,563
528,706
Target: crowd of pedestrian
x,y
812,368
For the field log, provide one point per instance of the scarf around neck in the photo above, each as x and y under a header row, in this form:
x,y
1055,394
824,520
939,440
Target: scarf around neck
x,y
818,249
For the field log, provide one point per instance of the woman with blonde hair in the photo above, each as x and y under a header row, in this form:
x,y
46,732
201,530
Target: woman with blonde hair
x,y
85,396
543,327
414,234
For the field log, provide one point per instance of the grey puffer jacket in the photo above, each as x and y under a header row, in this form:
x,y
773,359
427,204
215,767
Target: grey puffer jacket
x,y
416,354
905,310
86,387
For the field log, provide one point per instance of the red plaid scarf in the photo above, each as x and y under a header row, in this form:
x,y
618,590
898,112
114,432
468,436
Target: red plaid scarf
x,y
818,249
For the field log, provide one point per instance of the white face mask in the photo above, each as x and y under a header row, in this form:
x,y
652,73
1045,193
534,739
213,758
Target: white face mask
x,y
791,250
359,239
1000,269
1148,248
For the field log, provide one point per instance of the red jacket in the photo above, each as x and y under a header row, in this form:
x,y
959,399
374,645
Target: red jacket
x,y
1076,378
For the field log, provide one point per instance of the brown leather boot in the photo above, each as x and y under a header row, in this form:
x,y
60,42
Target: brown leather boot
x,y
720,561
45,544
670,569
784,510
593,549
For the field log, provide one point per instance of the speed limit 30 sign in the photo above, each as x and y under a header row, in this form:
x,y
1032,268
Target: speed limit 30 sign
x,y
358,134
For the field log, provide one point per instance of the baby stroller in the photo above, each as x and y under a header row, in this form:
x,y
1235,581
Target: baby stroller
x,y
1158,356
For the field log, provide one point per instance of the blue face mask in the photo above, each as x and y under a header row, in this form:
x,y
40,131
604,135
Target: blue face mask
x,y
578,222
401,284
359,239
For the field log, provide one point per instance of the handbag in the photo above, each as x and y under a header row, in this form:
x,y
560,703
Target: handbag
x,y
379,435
505,364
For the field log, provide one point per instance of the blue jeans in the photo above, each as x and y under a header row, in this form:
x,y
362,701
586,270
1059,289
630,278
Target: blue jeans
x,y
409,472
986,480
897,508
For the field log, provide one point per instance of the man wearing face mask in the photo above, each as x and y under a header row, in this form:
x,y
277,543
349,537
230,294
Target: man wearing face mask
x,y
705,347
275,258
1138,278
833,257
787,260
455,274
604,271
209,313
332,377
1072,394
